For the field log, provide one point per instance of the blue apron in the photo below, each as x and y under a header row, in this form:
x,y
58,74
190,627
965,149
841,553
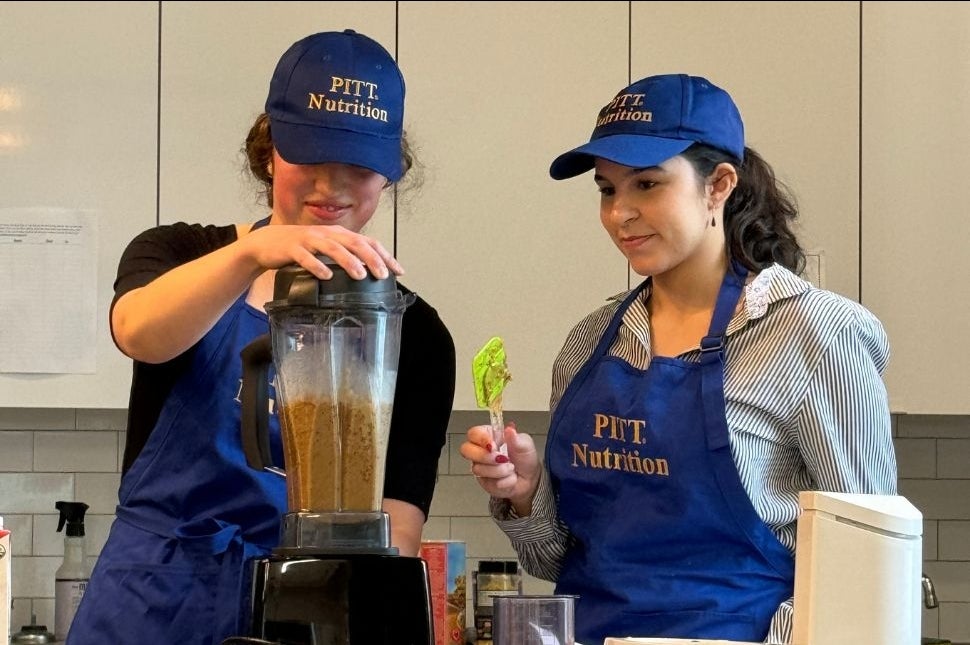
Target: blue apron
x,y
191,511
666,540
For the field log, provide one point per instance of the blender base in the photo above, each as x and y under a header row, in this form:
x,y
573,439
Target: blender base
x,y
342,599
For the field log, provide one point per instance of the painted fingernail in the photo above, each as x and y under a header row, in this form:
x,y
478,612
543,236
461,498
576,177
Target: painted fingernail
x,y
512,425
501,459
489,446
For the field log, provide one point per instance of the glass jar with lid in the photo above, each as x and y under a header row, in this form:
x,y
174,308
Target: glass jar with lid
x,y
493,578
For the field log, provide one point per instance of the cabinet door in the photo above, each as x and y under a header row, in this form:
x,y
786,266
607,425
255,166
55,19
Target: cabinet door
x,y
217,61
915,153
793,70
496,90
78,96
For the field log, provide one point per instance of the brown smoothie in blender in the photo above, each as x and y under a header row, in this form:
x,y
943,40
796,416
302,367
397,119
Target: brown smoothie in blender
x,y
334,454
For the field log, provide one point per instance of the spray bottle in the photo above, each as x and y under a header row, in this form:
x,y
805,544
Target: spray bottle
x,y
6,597
72,576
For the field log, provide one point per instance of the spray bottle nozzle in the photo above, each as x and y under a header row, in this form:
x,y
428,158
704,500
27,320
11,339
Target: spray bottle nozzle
x,y
73,514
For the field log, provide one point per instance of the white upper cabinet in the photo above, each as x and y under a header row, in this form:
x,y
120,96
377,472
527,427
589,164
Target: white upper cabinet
x,y
78,97
217,61
496,90
793,70
137,112
915,224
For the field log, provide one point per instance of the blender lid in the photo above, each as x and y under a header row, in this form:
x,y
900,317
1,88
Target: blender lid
x,y
295,286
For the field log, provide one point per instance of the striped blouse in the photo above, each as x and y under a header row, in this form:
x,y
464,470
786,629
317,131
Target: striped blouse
x,y
805,403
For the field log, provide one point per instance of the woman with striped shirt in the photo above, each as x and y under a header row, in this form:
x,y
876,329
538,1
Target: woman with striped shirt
x,y
689,412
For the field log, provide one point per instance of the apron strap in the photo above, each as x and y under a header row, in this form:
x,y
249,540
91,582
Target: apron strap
x,y
712,357
727,300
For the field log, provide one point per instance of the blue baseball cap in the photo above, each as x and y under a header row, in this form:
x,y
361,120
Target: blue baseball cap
x,y
338,96
654,119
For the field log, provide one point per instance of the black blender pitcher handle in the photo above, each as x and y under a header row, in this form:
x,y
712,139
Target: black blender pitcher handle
x,y
256,359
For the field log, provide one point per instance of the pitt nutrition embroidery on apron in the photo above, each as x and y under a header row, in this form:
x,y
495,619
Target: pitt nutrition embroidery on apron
x,y
666,540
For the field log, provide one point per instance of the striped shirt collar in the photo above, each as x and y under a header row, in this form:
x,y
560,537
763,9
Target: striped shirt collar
x,y
771,285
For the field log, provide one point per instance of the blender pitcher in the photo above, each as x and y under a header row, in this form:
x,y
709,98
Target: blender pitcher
x,y
334,345
334,579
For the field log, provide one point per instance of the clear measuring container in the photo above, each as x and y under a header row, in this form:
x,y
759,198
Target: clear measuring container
x,y
534,620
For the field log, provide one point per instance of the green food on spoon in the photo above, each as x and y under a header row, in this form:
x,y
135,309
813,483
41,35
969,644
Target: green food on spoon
x,y
490,372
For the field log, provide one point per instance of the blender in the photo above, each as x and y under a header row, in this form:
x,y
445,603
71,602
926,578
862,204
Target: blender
x,y
334,579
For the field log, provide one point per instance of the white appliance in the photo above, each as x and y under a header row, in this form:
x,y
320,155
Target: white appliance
x,y
858,564
858,570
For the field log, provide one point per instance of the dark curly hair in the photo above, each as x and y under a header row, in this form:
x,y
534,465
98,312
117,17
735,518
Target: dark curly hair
x,y
259,155
758,214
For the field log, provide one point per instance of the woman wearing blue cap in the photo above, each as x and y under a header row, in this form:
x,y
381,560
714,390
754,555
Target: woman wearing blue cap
x,y
188,298
689,412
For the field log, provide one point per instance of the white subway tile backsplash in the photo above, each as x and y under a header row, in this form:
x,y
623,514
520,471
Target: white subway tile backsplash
x,y
540,443
954,540
33,492
457,465
443,457
933,425
20,615
459,496
99,491
930,539
76,452
122,436
16,451
43,608
33,577
482,537
47,540
951,579
457,431
955,621
96,528
20,527
97,419
930,621
437,528
916,458
938,499
953,459
536,586
37,419
933,455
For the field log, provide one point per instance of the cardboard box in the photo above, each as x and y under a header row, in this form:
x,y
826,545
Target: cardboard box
x,y
446,570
